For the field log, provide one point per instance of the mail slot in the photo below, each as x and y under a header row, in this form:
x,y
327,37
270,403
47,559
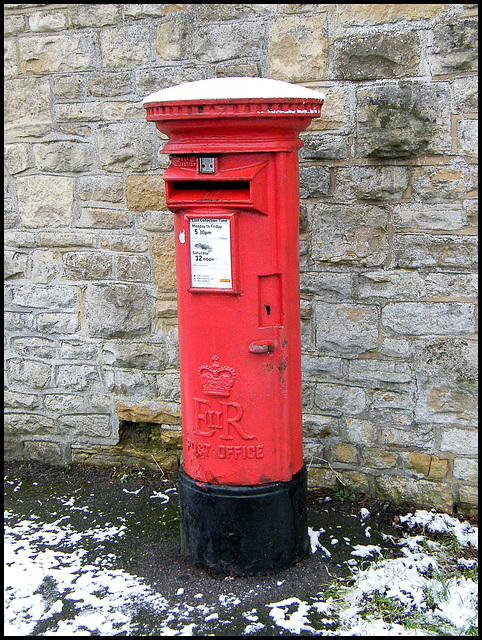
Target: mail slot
x,y
232,184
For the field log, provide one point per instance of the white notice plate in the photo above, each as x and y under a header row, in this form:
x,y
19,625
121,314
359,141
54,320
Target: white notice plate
x,y
210,241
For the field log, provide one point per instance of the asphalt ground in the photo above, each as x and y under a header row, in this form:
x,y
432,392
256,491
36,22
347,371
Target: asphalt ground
x,y
140,508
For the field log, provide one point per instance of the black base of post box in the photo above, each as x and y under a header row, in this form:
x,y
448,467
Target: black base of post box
x,y
245,530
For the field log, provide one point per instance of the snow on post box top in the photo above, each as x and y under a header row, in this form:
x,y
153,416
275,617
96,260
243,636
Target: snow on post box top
x,y
233,114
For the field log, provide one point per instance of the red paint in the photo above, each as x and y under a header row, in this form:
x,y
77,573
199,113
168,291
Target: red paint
x,y
236,234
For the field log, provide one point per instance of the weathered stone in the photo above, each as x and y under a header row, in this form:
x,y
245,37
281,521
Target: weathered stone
x,y
346,328
134,355
314,181
16,157
164,261
57,53
455,46
35,347
375,56
466,94
131,384
52,297
68,87
103,219
133,268
433,184
87,265
390,284
345,15
415,217
404,435
14,264
159,413
18,400
26,116
76,377
371,183
145,192
468,135
469,500
379,372
218,41
346,453
118,310
355,235
298,50
57,323
45,201
459,441
466,469
171,37
340,399
123,242
48,452
420,493
44,266
109,84
94,15
323,146
86,423
403,121
86,112
428,318
31,373
28,424
125,146
360,431
376,459
125,46
424,250
51,21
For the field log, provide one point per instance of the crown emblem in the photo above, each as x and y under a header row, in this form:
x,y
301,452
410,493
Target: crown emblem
x,y
215,379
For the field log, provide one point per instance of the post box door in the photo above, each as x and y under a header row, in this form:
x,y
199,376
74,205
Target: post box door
x,y
239,344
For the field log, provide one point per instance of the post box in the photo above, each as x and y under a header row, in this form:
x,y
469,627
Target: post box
x,y
232,184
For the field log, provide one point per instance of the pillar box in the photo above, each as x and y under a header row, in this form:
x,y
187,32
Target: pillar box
x,y
233,186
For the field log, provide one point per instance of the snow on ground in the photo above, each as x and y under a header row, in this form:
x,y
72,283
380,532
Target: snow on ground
x,y
52,589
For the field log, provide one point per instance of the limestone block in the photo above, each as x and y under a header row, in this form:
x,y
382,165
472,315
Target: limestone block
x,y
379,372
444,402
376,458
314,181
357,234
156,412
109,84
390,284
298,48
346,453
66,239
406,435
172,36
17,157
467,136
328,284
459,441
18,400
103,219
48,21
133,268
123,242
14,264
118,310
346,328
38,297
345,15
340,399
57,323
45,200
374,56
130,383
466,95
323,146
469,499
403,121
420,493
360,431
93,15
457,285
145,192
164,261
218,41
125,46
415,216
125,146
91,188
371,183
466,469
393,399
76,377
64,402
424,250
455,46
68,87
30,372
436,183
429,318
86,265
36,424
82,112
336,111
44,266
26,107
48,452
134,355
57,53
86,425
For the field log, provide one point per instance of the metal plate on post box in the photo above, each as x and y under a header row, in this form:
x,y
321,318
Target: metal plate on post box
x,y
210,244
206,165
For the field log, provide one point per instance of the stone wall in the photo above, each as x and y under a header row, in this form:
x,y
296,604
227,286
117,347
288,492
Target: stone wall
x,y
388,224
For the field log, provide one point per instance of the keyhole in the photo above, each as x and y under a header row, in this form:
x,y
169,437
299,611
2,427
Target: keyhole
x,y
268,309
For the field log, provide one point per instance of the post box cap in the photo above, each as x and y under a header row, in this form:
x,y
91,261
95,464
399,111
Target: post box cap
x,y
237,88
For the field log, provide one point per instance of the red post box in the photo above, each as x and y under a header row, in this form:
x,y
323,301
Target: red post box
x,y
233,187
